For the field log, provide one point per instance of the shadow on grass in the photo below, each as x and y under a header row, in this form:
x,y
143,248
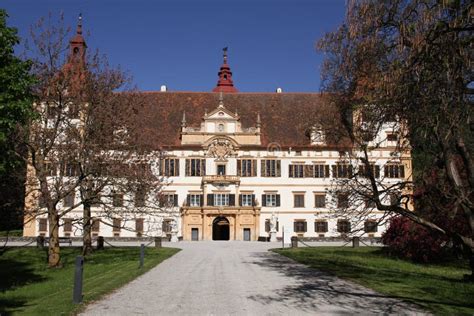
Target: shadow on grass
x,y
313,290
14,274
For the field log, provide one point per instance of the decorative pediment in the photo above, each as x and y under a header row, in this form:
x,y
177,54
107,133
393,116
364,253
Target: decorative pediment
x,y
221,148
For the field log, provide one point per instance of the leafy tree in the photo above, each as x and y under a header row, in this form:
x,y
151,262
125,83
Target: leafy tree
x,y
409,64
15,110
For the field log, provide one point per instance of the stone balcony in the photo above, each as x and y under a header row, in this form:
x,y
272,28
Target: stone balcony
x,y
221,179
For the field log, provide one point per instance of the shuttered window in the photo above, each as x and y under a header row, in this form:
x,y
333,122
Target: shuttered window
x,y
300,226
320,200
170,167
298,200
69,200
342,170
168,200
95,225
342,200
343,226
247,200
43,224
116,225
139,226
270,168
321,171
270,199
67,222
117,199
370,226
321,227
194,200
195,167
296,171
140,196
247,167
364,171
394,171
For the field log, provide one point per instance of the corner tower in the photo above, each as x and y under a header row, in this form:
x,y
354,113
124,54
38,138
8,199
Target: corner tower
x,y
225,83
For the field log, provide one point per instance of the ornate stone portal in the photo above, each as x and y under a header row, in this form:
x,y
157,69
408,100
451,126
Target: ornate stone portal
x,y
220,136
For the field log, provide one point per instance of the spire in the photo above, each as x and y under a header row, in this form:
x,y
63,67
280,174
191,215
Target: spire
x,y
183,121
77,44
225,83
79,25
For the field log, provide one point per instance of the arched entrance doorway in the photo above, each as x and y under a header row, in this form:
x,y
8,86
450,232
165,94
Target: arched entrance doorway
x,y
220,228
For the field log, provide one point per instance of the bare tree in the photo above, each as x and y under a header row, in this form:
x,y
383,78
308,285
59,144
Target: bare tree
x,y
81,140
408,63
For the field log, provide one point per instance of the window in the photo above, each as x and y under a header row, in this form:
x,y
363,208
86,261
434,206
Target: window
x,y
116,226
299,226
247,200
168,200
343,226
271,199
221,199
167,227
394,171
267,225
364,171
392,137
170,167
369,203
67,222
194,200
96,201
50,168
342,200
95,225
221,170
270,168
321,226
370,226
341,170
298,200
320,200
321,171
195,167
69,200
71,169
117,199
139,227
140,198
247,167
42,201
296,171
393,198
43,224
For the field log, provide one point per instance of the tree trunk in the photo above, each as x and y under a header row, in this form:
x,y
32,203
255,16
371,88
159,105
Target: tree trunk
x,y
54,257
86,231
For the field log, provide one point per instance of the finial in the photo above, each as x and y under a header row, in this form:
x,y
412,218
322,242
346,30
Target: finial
x,y
258,119
79,25
225,54
221,99
183,121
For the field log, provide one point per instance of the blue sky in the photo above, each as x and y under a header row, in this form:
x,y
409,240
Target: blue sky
x,y
179,43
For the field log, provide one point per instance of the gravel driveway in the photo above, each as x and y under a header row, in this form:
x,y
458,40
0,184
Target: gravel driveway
x,y
241,278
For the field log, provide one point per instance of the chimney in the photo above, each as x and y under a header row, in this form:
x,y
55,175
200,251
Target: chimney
x,y
163,88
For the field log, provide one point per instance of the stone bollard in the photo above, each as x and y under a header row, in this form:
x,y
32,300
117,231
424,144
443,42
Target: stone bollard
x,y
40,242
100,243
355,242
294,242
157,242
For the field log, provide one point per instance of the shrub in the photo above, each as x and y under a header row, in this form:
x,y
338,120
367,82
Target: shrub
x,y
410,240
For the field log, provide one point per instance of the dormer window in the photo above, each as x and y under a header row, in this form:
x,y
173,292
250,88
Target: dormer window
x,y
317,135
76,50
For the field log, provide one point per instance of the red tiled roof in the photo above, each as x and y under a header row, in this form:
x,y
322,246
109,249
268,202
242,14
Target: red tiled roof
x,y
286,118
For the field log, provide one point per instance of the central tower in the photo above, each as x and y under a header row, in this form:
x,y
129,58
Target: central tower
x,y
225,83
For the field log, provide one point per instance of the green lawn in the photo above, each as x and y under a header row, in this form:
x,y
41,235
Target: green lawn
x,y
436,287
11,233
28,287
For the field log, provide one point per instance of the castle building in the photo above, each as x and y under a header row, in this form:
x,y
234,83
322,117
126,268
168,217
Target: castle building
x,y
244,166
